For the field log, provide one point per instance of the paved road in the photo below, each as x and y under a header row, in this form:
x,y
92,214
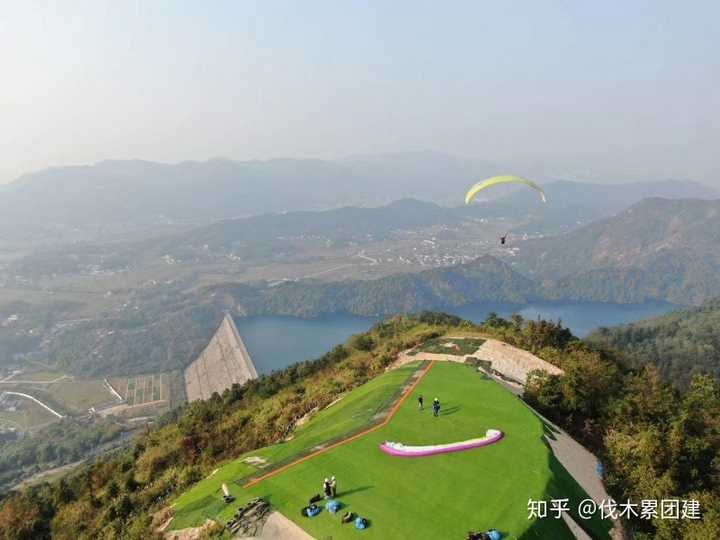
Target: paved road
x,y
578,461
28,396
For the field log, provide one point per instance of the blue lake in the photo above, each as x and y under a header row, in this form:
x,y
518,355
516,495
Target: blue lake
x,y
275,341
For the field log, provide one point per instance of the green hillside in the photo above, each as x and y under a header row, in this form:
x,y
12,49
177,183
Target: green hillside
x,y
486,279
658,249
655,442
681,344
352,413
475,489
174,324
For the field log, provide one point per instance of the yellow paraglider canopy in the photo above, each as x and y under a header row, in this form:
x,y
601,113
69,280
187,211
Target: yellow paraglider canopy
x,y
505,179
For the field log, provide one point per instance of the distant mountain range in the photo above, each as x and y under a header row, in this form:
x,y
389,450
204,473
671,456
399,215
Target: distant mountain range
x,y
256,238
574,203
199,192
142,193
681,343
658,249
340,224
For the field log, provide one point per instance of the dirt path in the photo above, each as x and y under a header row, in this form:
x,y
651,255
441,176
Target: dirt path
x,y
278,526
10,380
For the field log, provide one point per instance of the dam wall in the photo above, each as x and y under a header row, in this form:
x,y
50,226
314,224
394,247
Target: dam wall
x,y
224,362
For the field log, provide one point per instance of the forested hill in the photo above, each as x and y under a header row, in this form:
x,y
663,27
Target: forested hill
x,y
173,325
658,249
341,224
656,442
484,279
573,203
681,343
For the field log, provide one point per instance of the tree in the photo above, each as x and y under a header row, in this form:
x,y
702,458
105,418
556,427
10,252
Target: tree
x,y
124,507
363,342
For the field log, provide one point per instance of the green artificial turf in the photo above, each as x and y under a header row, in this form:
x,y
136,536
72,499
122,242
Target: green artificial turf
x,y
354,412
433,497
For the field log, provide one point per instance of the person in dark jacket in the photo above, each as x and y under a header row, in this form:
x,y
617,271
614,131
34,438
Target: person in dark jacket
x,y
420,402
436,407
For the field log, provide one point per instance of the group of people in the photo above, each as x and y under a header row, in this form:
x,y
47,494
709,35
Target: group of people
x,y
330,492
330,488
435,405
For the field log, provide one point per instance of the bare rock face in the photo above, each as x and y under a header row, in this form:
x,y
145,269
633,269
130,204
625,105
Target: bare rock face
x,y
512,362
224,362
162,518
192,533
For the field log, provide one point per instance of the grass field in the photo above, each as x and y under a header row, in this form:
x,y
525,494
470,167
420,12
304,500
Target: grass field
x,y
353,412
68,396
79,395
441,496
27,415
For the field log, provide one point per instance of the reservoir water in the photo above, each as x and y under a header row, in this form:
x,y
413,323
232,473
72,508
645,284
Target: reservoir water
x,y
276,341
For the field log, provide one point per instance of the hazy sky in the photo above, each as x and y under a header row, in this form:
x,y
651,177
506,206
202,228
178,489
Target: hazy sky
x,y
590,89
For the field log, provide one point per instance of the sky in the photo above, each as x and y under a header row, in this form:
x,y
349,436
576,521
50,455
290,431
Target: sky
x,y
592,90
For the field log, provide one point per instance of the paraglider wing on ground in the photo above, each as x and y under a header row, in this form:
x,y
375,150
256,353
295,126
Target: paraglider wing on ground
x,y
402,450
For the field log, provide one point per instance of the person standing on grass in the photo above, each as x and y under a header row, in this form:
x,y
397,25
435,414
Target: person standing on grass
x,y
420,402
327,491
436,407
333,487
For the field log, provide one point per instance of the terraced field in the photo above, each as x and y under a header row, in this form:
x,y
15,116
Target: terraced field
x,y
142,389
